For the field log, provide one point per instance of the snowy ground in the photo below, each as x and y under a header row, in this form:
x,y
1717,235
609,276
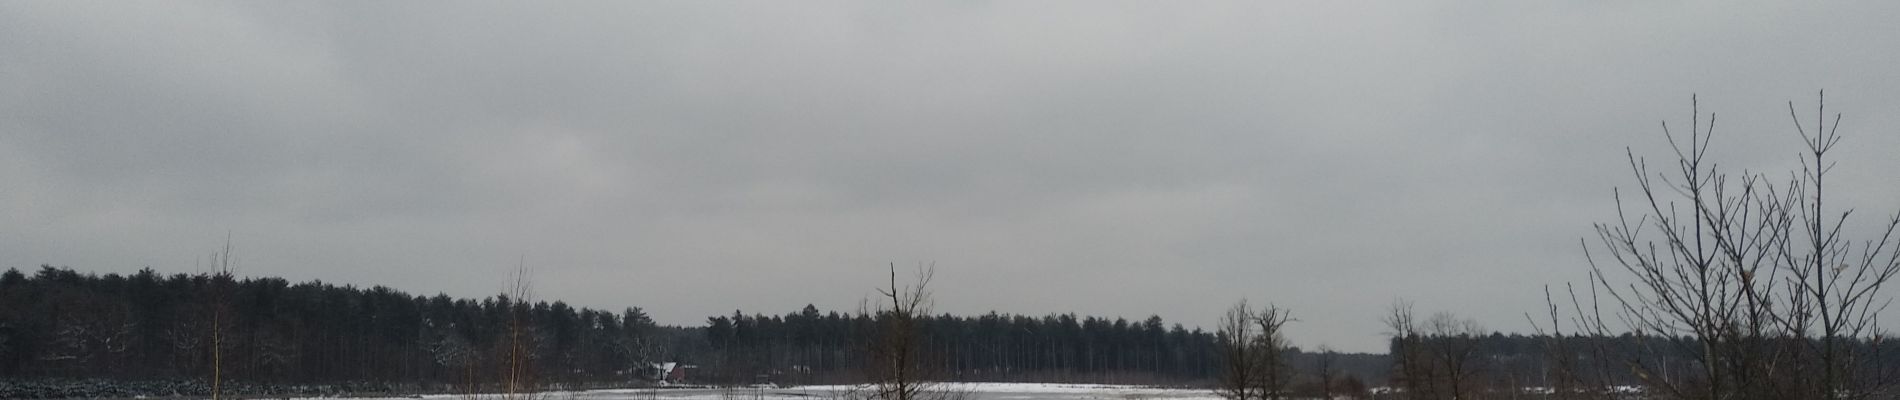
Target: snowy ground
x,y
969,391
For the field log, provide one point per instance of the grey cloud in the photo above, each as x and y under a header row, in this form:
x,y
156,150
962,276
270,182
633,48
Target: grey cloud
x,y
692,158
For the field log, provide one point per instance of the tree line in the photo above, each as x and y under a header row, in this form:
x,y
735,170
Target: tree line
x,y
60,323
990,347
1430,361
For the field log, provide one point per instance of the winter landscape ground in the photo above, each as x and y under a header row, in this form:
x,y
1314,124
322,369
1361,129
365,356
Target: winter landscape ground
x,y
964,391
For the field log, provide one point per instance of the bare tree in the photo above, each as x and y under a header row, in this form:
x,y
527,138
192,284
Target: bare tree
x,y
517,378
1575,364
1438,359
1453,351
511,357
1834,287
1325,368
1411,373
223,280
1711,280
1253,348
1275,374
1238,353
1773,300
900,367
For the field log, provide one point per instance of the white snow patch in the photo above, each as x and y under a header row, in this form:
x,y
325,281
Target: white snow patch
x,y
976,391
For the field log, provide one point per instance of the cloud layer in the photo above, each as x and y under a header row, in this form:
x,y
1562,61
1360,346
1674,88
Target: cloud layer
x,y
1101,158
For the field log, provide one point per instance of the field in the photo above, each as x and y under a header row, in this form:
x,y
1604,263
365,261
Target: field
x,y
966,391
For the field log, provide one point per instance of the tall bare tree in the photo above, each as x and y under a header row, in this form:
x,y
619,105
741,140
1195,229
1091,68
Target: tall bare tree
x,y
1253,349
517,375
1437,358
512,356
1326,369
1575,368
900,366
1833,286
1758,274
1238,353
1410,361
1453,351
223,281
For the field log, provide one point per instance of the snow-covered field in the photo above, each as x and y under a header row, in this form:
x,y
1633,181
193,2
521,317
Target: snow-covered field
x,y
1021,391
967,391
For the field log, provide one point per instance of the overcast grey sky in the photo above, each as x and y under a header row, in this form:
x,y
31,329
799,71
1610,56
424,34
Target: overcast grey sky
x,y
1105,158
